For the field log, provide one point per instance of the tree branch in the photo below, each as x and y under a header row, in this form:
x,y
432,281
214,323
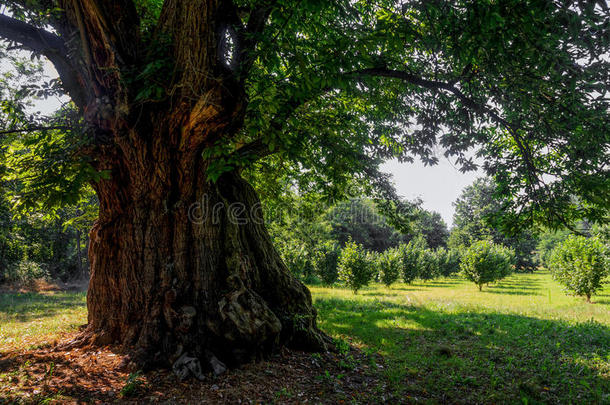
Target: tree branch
x,y
256,149
466,101
50,45
249,38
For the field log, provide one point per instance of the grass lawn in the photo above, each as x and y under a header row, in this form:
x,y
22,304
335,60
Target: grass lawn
x,y
31,320
520,341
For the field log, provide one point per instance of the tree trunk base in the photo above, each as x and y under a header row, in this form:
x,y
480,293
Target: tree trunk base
x,y
194,286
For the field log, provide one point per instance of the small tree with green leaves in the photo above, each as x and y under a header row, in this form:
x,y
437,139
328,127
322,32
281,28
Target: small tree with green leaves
x,y
389,266
327,262
428,265
373,259
485,262
580,265
354,267
448,261
409,258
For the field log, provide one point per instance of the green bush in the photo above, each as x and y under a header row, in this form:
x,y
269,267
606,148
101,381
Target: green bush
x,y
327,261
485,262
549,240
579,264
297,258
373,260
448,261
354,268
409,262
428,265
25,271
389,266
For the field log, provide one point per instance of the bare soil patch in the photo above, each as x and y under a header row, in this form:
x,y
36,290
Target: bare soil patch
x,y
51,375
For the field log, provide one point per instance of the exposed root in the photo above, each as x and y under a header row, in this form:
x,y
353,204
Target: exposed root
x,y
83,339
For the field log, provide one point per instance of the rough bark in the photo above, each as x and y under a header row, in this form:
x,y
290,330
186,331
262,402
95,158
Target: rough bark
x,y
182,269
192,272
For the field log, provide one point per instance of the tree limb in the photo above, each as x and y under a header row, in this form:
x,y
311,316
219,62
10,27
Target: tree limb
x,y
256,149
249,39
50,45
466,101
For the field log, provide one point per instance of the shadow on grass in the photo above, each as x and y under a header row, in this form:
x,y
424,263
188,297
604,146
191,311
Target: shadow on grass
x,y
25,307
418,285
477,356
511,290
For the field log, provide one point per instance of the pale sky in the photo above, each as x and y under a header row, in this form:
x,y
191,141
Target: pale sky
x,y
438,186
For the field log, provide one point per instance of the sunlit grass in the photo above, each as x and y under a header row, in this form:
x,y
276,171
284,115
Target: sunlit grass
x,y
29,320
519,340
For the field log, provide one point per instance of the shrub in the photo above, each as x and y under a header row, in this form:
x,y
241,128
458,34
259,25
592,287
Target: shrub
x,y
579,264
448,261
428,265
373,260
409,262
485,262
25,271
549,240
389,266
298,258
354,268
327,261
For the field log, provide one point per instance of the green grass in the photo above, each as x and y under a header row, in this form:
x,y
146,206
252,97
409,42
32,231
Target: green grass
x,y
29,320
520,341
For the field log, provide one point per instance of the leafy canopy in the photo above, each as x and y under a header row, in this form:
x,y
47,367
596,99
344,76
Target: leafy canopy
x,y
335,87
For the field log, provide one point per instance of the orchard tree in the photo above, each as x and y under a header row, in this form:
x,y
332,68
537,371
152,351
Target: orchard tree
x,y
580,264
174,102
356,266
389,266
485,262
477,215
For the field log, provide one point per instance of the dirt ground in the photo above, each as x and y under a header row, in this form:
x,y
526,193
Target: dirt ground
x,y
51,375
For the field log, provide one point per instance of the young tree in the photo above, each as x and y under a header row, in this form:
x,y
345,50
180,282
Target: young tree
x,y
355,268
174,100
548,241
485,262
477,212
409,258
327,262
448,261
389,266
580,264
428,265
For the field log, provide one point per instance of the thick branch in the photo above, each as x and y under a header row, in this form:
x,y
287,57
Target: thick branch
x,y
255,149
248,40
50,45
122,22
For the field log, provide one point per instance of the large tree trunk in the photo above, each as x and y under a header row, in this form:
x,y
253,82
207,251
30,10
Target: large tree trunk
x,y
192,271
179,265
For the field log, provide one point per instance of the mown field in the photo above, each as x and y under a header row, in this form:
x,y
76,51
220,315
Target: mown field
x,y
519,341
